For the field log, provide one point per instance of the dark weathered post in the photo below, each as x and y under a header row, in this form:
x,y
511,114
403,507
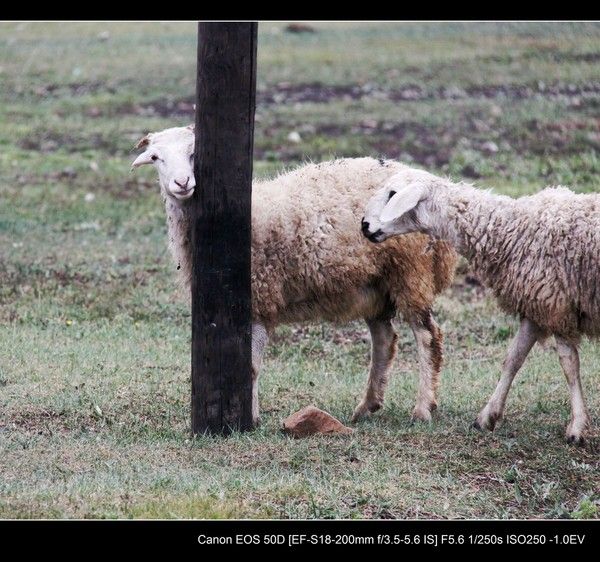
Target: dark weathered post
x,y
220,237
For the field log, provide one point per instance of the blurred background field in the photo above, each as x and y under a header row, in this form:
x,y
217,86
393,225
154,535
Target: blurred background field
x,y
94,335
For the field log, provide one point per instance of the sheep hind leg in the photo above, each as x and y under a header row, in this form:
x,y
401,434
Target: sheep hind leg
x,y
259,341
383,351
569,361
428,338
519,348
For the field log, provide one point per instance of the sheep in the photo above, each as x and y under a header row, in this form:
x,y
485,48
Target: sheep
x,y
539,254
311,263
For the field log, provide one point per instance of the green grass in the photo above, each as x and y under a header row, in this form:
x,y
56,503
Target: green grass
x,y
95,335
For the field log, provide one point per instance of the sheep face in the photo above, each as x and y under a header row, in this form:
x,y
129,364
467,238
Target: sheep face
x,y
172,153
397,207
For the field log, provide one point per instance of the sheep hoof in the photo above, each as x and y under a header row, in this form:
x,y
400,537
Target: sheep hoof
x,y
358,414
488,422
578,440
421,415
364,410
575,433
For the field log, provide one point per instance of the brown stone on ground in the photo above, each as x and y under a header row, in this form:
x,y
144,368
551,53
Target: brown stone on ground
x,y
313,421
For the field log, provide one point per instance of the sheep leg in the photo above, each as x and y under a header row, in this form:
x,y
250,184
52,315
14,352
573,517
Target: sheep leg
x,y
428,338
569,361
519,348
383,351
259,341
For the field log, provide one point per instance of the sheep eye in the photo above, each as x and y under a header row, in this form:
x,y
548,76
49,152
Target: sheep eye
x,y
154,158
392,193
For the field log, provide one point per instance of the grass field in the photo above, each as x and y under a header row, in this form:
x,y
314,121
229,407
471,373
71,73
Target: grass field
x,y
94,337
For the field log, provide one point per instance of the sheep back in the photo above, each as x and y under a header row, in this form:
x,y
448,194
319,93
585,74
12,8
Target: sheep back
x,y
310,260
542,260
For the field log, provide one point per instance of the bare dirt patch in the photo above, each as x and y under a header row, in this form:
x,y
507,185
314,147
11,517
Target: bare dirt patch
x,y
50,141
320,93
48,422
73,89
317,92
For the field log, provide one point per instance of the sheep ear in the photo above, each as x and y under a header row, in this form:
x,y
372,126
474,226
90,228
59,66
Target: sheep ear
x,y
403,201
143,158
144,141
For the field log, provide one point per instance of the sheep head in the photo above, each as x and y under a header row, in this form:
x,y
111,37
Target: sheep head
x,y
171,152
397,208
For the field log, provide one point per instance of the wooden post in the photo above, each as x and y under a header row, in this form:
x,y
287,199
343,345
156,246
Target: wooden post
x,y
220,229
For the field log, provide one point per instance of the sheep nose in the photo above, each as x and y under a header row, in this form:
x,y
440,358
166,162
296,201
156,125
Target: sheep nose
x,y
364,227
183,185
372,236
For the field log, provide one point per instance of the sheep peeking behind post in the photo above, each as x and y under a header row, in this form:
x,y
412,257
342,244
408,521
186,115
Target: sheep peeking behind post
x,y
539,254
311,263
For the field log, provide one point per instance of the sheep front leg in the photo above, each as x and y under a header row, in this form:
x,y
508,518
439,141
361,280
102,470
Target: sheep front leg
x,y
428,338
259,341
519,348
383,351
569,361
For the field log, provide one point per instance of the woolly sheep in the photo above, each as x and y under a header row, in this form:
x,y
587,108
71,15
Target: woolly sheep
x,y
310,261
539,254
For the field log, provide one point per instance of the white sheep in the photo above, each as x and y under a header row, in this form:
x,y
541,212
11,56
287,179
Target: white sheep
x,y
311,263
539,254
